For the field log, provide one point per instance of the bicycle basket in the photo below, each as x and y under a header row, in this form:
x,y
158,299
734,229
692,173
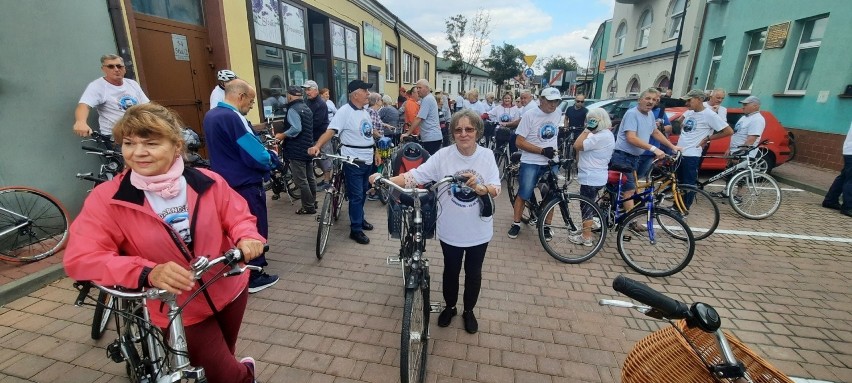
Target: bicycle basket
x,y
503,135
665,356
429,207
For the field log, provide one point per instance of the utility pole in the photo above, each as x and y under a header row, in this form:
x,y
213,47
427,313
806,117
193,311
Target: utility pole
x,y
677,45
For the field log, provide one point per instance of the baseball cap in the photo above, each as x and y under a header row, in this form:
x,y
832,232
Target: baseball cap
x,y
357,84
695,93
294,90
310,84
751,100
551,94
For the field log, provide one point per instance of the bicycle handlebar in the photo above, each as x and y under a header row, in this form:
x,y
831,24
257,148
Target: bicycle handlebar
x,y
347,159
418,191
670,308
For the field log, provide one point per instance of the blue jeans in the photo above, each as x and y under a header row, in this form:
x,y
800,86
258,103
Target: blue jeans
x,y
357,182
528,176
644,166
842,186
687,174
626,160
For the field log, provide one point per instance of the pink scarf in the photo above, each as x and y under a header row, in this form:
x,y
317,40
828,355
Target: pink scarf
x,y
164,185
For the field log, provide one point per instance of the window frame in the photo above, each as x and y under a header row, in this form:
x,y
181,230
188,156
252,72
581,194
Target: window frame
x,y
426,70
714,59
750,55
644,30
415,70
390,63
620,40
675,17
799,48
406,67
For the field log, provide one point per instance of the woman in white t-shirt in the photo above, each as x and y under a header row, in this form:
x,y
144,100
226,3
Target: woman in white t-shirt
x,y
594,147
463,233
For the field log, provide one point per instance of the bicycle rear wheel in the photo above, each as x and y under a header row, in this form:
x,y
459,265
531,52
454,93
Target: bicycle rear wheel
x,y
702,215
567,222
756,197
104,307
414,346
324,226
654,250
337,200
33,224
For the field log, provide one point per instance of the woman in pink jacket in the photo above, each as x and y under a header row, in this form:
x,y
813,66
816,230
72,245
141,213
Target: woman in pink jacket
x,y
143,228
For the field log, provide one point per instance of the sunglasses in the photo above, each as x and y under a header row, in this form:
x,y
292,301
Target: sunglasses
x,y
113,66
465,130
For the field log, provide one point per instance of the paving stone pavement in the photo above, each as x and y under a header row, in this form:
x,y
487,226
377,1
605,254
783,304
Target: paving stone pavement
x,y
338,320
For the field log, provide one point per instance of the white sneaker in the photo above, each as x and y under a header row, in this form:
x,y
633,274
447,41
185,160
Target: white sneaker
x,y
596,223
580,240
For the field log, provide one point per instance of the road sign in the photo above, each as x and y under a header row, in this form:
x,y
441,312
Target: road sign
x,y
556,76
529,72
529,59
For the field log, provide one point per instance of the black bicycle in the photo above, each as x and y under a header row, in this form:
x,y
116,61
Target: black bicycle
x,y
112,163
560,215
333,201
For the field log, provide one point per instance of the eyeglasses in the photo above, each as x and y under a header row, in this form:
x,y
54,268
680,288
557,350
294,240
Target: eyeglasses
x,y
464,130
113,66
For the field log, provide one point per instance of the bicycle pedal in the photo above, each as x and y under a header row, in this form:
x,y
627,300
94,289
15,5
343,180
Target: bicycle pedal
x,y
435,307
113,351
393,260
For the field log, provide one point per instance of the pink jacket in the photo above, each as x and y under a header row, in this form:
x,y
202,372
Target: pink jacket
x,y
117,234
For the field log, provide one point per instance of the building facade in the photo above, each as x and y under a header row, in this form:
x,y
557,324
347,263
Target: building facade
x,y
598,57
644,42
450,83
794,56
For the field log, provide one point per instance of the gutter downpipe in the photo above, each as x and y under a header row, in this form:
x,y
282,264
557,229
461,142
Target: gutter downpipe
x,y
121,41
678,46
398,52
698,44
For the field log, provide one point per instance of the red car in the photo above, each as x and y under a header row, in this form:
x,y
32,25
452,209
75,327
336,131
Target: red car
x,y
779,150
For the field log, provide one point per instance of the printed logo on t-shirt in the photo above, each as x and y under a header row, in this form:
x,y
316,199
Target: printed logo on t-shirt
x,y
465,196
366,129
738,125
547,132
127,101
505,117
180,222
689,125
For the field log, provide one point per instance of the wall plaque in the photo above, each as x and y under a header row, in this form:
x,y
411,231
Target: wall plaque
x,y
776,35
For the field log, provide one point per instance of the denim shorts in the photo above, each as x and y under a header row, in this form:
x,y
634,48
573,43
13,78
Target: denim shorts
x,y
590,192
528,176
626,160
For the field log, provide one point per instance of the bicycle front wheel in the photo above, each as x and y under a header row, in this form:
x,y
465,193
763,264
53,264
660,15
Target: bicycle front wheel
x,y
512,185
33,224
654,250
138,357
103,312
324,225
702,215
414,346
502,162
337,200
564,238
754,195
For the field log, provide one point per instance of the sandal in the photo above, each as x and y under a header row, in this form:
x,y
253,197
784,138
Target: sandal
x,y
305,211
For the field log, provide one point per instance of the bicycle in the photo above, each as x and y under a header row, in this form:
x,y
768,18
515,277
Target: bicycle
x,y
333,200
33,224
686,351
280,179
751,193
386,150
112,163
566,138
412,217
502,153
559,215
654,250
148,356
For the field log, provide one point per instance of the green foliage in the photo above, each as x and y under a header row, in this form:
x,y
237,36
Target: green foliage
x,y
560,62
504,62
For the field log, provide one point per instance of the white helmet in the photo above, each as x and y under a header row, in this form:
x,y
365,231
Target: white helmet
x,y
226,75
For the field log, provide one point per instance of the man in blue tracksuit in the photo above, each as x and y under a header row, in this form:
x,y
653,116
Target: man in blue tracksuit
x,y
238,156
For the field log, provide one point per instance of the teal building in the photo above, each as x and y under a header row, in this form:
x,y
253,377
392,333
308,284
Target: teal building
x,y
600,43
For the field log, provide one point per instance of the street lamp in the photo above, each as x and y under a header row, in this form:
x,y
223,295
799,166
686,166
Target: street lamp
x,y
588,67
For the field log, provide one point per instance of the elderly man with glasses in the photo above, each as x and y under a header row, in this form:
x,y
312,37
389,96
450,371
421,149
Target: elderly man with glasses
x,y
111,95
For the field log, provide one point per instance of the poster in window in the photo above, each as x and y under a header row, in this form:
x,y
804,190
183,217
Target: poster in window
x,y
294,26
267,22
373,41
338,41
351,45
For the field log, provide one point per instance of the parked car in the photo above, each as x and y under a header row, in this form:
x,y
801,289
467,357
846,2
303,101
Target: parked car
x,y
616,107
779,150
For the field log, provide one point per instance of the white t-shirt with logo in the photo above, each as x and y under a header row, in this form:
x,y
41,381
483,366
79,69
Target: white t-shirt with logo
x,y
592,169
748,125
355,128
173,211
723,111
695,127
501,113
459,223
528,107
111,101
539,129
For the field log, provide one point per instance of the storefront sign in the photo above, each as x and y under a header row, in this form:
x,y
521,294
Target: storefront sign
x,y
776,35
373,41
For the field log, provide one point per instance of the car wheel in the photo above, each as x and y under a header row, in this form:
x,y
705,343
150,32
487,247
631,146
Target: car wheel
x,y
765,161
792,144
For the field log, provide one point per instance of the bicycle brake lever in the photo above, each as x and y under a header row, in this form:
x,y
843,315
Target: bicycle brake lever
x,y
237,270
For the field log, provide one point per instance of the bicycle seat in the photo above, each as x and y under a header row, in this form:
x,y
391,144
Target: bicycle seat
x,y
620,168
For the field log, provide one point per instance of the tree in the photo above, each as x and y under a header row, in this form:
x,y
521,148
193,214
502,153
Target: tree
x,y
465,49
560,62
503,63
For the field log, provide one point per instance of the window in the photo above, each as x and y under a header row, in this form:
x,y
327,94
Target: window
x,y
675,18
644,29
390,63
633,87
426,70
344,63
406,67
755,48
620,38
806,53
662,82
716,60
415,70
185,11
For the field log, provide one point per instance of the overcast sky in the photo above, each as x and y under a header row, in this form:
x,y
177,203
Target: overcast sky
x,y
537,27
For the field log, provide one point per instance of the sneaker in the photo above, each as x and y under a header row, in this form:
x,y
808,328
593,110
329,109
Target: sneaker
x,y
829,205
446,316
596,223
515,230
260,280
738,200
360,237
470,324
547,234
249,362
580,240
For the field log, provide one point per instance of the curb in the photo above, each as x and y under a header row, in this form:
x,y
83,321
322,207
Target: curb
x,y
21,287
800,185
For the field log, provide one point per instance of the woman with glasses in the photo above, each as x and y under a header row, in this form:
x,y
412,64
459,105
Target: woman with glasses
x,y
464,234
594,146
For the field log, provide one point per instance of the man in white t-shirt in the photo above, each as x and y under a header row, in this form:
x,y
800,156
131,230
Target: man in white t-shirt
x,y
223,77
354,126
111,95
699,126
750,126
537,139
714,102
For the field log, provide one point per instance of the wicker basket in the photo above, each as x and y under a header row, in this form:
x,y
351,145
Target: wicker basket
x,y
429,208
664,356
